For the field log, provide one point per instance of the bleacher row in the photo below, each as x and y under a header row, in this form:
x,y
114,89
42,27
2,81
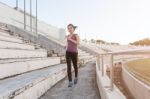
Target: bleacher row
x,y
100,48
26,72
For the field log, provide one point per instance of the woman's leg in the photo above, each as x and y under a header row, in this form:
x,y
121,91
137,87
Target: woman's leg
x,y
68,60
75,63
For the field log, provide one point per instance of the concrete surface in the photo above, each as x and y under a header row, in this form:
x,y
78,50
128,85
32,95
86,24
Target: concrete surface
x,y
86,87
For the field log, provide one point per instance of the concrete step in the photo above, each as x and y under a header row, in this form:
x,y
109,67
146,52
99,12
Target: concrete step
x,y
3,28
11,39
85,54
82,52
33,84
3,61
2,25
4,33
85,59
10,34
54,55
16,53
15,68
13,45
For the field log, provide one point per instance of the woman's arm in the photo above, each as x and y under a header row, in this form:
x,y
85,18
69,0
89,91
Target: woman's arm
x,y
65,41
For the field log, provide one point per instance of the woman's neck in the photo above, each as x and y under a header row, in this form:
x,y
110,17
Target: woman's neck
x,y
71,33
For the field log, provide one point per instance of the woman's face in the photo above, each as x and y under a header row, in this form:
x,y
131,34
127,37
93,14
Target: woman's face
x,y
70,29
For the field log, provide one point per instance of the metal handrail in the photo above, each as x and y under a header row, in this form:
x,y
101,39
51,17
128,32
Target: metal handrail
x,y
141,51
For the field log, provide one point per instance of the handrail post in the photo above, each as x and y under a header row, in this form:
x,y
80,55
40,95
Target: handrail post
x,y
36,17
16,4
111,73
102,64
31,15
98,61
25,14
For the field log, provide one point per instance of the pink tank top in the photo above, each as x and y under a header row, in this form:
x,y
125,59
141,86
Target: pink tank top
x,y
72,47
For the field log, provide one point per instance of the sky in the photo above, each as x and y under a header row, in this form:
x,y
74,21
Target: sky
x,y
121,21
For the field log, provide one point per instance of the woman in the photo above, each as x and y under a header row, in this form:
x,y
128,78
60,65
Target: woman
x,y
72,53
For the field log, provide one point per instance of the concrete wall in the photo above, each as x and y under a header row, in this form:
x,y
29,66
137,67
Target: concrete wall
x,y
16,18
138,89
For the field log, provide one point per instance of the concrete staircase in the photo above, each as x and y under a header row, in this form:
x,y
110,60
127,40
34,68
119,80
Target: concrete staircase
x,y
26,71
22,66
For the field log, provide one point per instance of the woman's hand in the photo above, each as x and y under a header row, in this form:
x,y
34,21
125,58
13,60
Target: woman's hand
x,y
65,47
74,41
69,38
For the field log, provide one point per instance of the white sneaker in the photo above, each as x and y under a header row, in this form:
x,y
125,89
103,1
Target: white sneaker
x,y
75,80
70,84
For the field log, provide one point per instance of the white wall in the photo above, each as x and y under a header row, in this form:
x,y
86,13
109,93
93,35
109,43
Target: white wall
x,y
137,88
11,16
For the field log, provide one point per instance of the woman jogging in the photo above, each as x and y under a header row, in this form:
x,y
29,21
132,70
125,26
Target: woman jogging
x,y
72,53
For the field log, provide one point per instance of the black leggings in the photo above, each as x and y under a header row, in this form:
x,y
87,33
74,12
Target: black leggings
x,y
72,56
